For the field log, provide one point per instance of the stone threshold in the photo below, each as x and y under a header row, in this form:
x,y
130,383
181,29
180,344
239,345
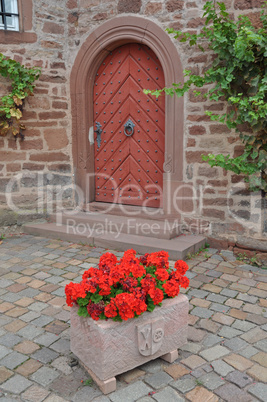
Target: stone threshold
x,y
119,232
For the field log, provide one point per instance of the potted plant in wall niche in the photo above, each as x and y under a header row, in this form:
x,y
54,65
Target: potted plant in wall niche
x,y
127,312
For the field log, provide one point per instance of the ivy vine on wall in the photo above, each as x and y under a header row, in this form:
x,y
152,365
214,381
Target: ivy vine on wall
x,y
11,104
239,75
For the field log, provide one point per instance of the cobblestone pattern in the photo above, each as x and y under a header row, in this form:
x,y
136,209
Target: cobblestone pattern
x,y
224,359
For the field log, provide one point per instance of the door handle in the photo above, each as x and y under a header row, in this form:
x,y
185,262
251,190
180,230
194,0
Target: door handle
x,y
98,132
129,128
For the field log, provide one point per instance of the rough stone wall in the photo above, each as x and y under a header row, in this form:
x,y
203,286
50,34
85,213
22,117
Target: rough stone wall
x,y
43,162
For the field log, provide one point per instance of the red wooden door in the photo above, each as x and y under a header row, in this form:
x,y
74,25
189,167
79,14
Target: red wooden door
x,y
130,154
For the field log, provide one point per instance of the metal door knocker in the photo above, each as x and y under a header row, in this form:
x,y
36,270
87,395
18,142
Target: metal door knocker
x,y
129,128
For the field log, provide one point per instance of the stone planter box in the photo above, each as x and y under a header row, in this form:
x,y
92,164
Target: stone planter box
x,y
108,348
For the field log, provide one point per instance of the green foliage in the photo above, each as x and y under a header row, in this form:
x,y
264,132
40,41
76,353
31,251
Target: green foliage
x,y
96,298
82,311
83,301
249,260
117,318
239,75
88,382
197,253
150,305
198,382
11,105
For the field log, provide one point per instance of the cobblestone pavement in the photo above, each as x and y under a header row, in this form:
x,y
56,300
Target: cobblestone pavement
x,y
225,358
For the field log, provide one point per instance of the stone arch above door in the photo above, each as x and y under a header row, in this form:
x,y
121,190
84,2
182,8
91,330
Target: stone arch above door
x,y
113,33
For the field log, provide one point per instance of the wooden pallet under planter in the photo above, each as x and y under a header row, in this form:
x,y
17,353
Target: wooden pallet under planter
x,y
107,348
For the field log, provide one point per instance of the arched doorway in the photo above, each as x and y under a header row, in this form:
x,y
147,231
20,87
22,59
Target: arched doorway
x,y
109,36
129,128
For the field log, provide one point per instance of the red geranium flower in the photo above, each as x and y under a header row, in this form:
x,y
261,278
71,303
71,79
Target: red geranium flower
x,y
129,253
90,272
73,292
172,288
95,309
125,303
104,285
139,293
137,270
140,306
107,261
158,259
148,282
181,266
156,295
129,284
111,309
143,259
89,285
162,274
184,282
125,287
175,275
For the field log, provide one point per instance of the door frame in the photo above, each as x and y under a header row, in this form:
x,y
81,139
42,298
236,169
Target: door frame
x,y
111,34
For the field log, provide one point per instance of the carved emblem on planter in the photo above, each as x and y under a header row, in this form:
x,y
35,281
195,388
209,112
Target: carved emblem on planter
x,y
150,337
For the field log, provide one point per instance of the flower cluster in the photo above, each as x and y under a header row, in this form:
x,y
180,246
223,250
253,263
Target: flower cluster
x,y
126,288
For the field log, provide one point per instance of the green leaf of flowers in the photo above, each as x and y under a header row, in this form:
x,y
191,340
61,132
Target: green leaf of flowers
x,y
118,292
96,298
151,306
113,292
83,301
117,318
82,312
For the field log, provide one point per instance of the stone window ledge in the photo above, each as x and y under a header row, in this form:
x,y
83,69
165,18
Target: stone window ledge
x,y
12,37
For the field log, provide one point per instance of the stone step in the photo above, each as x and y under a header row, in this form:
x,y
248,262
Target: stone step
x,y
128,210
59,232
177,247
112,224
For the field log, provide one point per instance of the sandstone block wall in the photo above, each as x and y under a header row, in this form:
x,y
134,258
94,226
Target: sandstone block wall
x,y
42,164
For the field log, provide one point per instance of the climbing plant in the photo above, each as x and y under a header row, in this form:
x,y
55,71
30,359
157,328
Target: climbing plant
x,y
239,75
11,104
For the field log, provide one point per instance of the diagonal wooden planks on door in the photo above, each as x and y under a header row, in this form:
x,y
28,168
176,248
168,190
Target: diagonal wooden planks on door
x,y
129,160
